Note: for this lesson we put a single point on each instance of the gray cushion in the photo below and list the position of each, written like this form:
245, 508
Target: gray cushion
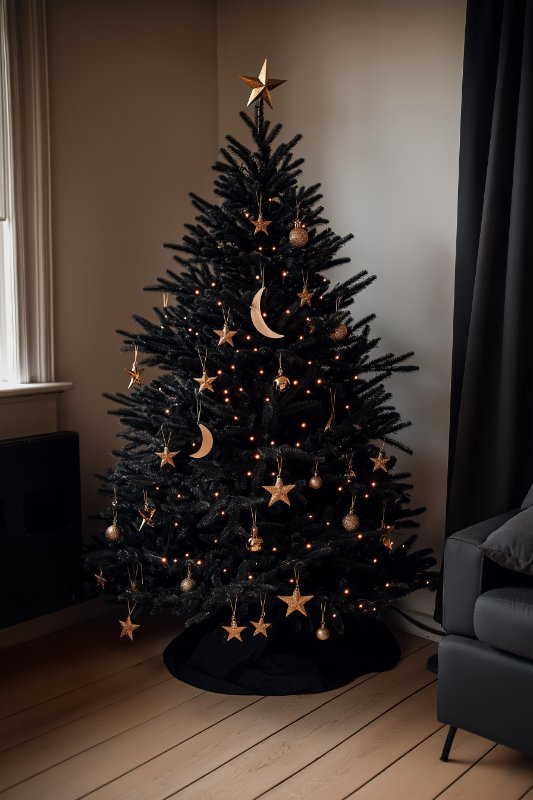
511, 545
527, 502
503, 618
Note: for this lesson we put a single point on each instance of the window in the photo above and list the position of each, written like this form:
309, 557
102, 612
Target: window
8, 323
26, 332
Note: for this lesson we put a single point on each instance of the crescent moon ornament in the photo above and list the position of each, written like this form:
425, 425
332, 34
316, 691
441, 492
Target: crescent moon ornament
257, 317
207, 442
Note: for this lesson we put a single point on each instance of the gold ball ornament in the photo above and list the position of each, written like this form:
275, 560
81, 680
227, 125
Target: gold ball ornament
350, 522
298, 236
315, 481
322, 633
187, 584
113, 533
281, 382
340, 333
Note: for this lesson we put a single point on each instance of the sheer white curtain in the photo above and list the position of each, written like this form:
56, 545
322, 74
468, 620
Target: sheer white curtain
26, 329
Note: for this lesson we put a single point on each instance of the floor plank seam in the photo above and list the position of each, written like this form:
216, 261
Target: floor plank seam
247, 749
466, 771
82, 716
525, 793
75, 689
103, 741
395, 761
338, 744
167, 750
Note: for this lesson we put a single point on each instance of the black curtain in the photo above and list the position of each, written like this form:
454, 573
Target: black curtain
490, 464
491, 425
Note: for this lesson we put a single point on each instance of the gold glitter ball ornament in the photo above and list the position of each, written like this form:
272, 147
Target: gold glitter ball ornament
315, 481
281, 382
113, 533
340, 333
322, 633
187, 584
350, 522
298, 236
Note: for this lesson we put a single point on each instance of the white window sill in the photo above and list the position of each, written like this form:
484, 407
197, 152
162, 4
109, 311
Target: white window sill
28, 389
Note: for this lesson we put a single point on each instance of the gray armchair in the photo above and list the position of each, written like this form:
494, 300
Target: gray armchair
486, 658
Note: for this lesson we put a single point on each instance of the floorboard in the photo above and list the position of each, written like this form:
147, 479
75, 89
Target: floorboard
86, 714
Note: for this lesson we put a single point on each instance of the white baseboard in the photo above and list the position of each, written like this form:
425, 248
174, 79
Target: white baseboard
49, 623
396, 620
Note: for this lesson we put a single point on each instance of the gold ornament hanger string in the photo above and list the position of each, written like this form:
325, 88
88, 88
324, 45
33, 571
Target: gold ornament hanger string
280, 464
331, 420
253, 512
352, 504
198, 409
297, 578
114, 504
203, 359
233, 604
259, 198
165, 299
262, 600
323, 604
382, 523
337, 305
131, 608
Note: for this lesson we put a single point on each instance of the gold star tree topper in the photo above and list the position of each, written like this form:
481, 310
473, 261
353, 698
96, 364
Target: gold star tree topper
262, 85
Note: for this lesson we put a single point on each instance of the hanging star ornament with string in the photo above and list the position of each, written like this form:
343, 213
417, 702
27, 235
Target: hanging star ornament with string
262, 85
134, 373
226, 336
100, 580
296, 601
305, 297
128, 627
280, 491
206, 383
167, 456
380, 462
261, 626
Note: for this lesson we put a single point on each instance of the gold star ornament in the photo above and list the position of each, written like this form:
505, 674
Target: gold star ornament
206, 383
135, 375
296, 601
128, 627
261, 626
380, 462
167, 457
234, 631
226, 336
305, 297
261, 224
100, 580
280, 491
262, 85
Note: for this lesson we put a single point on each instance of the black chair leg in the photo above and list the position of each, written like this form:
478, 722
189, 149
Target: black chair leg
448, 743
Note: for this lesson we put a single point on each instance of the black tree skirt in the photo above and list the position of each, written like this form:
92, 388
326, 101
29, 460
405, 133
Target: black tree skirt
287, 662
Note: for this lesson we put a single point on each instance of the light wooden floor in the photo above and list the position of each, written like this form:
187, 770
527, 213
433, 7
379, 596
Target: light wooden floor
86, 714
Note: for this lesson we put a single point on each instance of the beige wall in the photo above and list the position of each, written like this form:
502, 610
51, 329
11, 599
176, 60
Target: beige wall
133, 130
375, 87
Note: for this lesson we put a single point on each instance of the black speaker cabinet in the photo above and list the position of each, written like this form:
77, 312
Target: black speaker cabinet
40, 526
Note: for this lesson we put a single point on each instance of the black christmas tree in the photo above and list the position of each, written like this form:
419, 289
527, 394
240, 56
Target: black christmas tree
257, 487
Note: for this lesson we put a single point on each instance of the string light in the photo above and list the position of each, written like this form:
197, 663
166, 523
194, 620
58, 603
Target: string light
164, 560
274, 549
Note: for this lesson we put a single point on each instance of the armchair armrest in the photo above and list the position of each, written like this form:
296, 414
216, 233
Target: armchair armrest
468, 573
